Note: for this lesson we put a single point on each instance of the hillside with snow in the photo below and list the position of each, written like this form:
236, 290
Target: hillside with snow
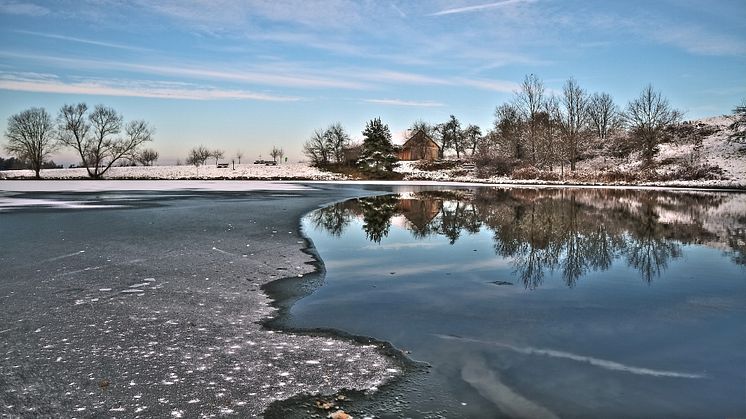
717, 161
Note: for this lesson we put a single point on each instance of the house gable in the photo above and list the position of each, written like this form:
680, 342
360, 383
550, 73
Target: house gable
418, 147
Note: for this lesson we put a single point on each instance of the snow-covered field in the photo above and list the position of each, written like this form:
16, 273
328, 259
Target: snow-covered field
243, 171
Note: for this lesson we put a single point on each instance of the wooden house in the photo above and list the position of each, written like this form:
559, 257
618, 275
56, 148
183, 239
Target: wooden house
419, 147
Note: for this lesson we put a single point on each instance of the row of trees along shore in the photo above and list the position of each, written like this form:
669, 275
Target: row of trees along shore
199, 155
536, 128
100, 137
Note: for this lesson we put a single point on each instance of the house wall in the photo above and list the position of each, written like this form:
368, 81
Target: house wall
419, 153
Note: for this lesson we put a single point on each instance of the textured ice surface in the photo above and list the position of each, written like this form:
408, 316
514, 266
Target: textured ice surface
177, 344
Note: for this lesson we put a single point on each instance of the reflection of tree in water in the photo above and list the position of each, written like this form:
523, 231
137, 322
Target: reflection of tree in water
736, 238
647, 250
334, 219
569, 231
377, 212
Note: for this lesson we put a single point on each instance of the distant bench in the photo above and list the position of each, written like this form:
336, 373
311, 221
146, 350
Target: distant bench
222, 165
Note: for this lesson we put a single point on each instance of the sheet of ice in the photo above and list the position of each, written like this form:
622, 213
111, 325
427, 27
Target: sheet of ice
144, 185
9, 202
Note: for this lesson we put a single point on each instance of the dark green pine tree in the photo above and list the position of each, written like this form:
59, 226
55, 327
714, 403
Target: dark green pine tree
378, 154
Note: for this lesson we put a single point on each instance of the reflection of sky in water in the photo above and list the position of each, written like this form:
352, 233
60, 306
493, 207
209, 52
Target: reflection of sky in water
653, 328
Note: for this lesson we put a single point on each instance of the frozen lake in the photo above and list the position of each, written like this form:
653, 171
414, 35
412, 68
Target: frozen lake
542, 302
143, 299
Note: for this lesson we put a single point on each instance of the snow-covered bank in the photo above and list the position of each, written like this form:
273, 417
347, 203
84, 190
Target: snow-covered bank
241, 171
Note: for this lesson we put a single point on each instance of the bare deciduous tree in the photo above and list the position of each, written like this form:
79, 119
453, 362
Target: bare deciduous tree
508, 128
603, 113
451, 136
217, 154
316, 148
198, 155
239, 156
31, 137
549, 129
647, 117
529, 100
337, 141
472, 136
429, 129
147, 157
276, 153
574, 119
96, 137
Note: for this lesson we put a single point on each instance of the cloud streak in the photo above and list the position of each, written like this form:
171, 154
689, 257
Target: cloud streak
249, 76
401, 102
477, 8
82, 40
145, 89
24, 9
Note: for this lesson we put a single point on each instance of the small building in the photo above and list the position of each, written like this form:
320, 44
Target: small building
419, 147
352, 153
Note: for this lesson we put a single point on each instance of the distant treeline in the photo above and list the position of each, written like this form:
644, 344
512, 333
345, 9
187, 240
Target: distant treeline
13, 163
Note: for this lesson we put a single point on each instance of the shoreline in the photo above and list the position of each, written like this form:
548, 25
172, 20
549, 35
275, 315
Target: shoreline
284, 293
353, 182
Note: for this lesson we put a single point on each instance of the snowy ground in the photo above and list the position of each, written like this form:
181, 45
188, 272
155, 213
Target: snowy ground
209, 171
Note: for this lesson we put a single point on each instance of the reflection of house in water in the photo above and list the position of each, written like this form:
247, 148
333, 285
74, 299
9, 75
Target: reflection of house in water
419, 147
419, 212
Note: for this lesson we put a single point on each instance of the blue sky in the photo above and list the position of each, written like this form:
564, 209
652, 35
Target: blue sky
252, 74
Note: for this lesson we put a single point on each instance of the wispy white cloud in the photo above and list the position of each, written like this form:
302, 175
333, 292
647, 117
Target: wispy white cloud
21, 8
401, 77
687, 36
502, 86
280, 74
697, 41
30, 82
477, 7
307, 40
400, 102
186, 70
328, 13
83, 41
398, 10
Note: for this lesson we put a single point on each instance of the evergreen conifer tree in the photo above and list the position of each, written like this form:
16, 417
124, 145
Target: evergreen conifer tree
378, 152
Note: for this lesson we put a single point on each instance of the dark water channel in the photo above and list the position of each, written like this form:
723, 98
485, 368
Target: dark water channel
544, 302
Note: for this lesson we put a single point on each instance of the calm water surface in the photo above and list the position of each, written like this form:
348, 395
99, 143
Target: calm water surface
545, 302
